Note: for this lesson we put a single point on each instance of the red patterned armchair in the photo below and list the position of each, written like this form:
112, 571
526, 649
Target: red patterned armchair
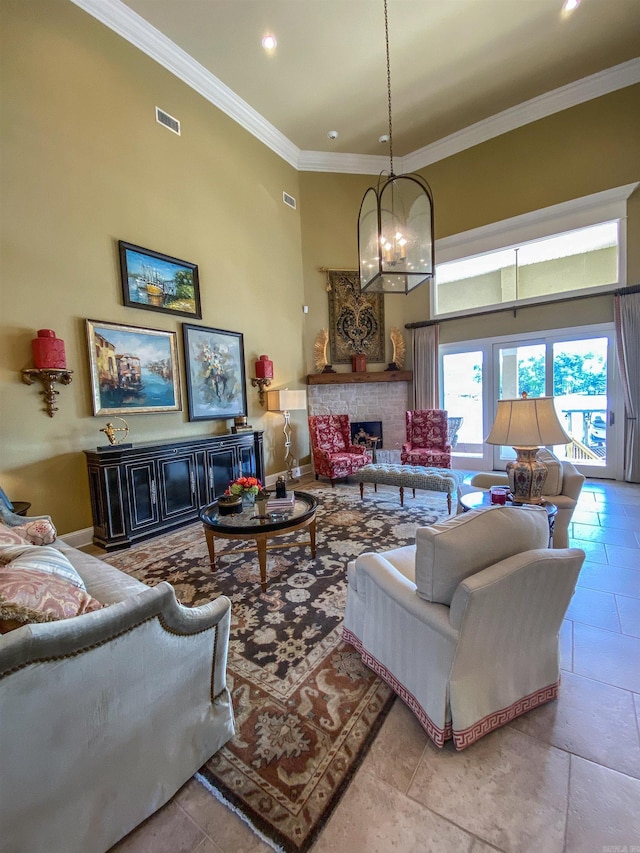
427, 439
333, 454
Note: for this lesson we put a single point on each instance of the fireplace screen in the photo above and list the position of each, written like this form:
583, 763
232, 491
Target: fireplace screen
368, 433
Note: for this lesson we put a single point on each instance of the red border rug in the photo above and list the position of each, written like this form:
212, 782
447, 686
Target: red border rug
306, 707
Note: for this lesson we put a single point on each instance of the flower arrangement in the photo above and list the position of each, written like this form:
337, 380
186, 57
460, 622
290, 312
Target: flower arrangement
244, 486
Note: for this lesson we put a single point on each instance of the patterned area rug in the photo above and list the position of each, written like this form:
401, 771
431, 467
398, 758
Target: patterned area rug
306, 708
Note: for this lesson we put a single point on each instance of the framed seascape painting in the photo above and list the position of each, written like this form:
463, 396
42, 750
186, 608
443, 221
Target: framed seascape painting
214, 362
158, 282
133, 370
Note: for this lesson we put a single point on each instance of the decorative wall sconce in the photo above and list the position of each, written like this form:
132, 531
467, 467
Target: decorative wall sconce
48, 377
50, 367
284, 401
263, 377
260, 384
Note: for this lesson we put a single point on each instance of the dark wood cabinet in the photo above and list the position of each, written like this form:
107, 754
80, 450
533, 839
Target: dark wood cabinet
140, 491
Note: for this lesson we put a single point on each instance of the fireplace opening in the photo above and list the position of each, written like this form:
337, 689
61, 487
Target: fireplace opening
368, 433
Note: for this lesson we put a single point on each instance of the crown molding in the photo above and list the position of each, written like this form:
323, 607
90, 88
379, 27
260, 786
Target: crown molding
353, 164
594, 86
138, 32
128, 24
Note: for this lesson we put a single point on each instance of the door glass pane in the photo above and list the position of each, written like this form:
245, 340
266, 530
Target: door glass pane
520, 368
462, 398
580, 396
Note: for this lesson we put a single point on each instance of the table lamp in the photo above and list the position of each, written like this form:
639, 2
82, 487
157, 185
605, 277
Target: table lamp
285, 401
526, 424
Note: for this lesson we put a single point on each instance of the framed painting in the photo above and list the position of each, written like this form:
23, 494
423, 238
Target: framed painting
157, 282
133, 370
216, 386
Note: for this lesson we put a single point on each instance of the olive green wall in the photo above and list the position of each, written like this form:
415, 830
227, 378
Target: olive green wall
583, 150
84, 163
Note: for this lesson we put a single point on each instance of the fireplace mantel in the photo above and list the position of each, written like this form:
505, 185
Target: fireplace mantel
350, 378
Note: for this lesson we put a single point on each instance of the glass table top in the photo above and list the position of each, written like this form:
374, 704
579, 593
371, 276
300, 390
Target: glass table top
249, 520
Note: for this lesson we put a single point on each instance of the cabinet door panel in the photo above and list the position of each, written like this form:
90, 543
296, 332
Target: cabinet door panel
223, 467
144, 495
178, 481
247, 461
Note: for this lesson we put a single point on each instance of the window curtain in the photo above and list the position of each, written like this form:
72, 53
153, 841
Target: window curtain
627, 319
425, 367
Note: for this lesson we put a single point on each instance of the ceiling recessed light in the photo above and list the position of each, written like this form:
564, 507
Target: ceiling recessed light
569, 6
269, 42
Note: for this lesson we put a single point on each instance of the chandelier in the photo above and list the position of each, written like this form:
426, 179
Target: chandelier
395, 224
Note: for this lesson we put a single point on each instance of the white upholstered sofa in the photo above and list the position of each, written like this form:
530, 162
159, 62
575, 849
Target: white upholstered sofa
103, 716
464, 624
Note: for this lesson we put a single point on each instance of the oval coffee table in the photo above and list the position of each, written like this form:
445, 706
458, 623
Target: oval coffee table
249, 525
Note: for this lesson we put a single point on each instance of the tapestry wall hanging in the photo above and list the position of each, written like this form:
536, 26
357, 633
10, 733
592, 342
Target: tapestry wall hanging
356, 319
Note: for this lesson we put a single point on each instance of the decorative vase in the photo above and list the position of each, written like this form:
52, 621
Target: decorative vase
264, 368
358, 363
261, 506
48, 351
248, 500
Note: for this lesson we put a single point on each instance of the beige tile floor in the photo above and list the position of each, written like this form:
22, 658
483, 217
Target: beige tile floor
565, 777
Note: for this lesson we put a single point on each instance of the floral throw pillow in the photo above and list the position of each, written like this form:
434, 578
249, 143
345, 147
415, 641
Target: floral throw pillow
32, 596
10, 536
39, 531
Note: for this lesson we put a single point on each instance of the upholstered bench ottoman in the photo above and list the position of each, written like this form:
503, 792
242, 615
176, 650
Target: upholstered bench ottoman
411, 477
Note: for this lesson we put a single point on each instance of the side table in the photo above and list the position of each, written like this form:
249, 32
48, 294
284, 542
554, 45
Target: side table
482, 499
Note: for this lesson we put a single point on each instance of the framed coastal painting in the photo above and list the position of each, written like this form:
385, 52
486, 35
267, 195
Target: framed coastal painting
133, 369
214, 361
157, 282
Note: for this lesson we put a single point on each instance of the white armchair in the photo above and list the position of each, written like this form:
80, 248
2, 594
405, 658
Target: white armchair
562, 488
464, 624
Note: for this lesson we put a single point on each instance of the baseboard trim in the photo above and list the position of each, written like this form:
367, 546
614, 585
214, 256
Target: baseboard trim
78, 538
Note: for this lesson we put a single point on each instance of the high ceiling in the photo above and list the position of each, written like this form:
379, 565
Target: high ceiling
453, 62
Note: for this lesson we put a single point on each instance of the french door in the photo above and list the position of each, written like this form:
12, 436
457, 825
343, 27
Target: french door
578, 370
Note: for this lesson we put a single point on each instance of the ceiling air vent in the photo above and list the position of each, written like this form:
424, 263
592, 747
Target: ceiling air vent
167, 120
289, 199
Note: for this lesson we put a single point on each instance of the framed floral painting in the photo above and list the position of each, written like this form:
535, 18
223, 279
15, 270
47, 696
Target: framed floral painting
216, 385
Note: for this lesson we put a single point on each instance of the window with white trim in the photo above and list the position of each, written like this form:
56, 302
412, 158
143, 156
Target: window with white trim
538, 257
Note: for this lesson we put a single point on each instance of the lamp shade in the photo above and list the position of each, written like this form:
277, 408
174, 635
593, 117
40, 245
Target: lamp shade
527, 422
286, 401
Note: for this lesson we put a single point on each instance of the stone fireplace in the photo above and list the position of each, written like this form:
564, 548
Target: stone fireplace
382, 396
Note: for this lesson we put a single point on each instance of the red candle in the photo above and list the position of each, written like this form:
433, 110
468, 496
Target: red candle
48, 351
